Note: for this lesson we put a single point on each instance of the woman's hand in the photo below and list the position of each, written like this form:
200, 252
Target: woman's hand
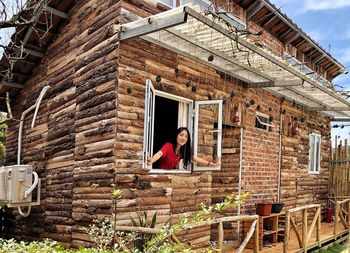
216, 162
154, 158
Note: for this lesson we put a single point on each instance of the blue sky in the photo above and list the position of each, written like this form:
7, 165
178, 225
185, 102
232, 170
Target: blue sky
328, 23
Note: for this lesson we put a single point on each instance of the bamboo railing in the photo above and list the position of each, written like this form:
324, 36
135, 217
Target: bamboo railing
342, 211
306, 233
254, 230
339, 177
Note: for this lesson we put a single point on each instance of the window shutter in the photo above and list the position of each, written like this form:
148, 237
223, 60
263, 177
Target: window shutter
148, 124
207, 132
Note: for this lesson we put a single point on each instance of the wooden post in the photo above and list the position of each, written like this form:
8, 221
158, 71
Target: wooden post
221, 235
286, 232
345, 167
348, 216
318, 232
256, 237
336, 214
304, 233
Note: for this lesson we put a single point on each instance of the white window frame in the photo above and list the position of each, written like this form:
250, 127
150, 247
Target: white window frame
197, 104
172, 6
268, 125
148, 123
316, 158
150, 94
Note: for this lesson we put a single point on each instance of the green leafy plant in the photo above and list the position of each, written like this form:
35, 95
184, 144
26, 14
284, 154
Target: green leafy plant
159, 243
141, 242
101, 232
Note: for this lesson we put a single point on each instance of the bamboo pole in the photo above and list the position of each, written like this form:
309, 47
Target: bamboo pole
286, 232
304, 233
313, 223
221, 235
342, 219
249, 235
318, 232
349, 217
336, 219
346, 166
300, 241
256, 238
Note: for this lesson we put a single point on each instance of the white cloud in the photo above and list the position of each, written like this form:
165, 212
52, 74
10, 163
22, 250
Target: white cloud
325, 4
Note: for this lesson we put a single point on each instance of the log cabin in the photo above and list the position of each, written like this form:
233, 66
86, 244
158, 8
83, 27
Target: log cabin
252, 87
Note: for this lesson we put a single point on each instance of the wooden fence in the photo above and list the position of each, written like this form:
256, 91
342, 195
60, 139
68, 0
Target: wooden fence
306, 232
253, 231
342, 211
339, 183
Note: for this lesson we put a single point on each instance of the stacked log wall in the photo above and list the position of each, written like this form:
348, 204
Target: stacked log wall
298, 187
72, 144
90, 130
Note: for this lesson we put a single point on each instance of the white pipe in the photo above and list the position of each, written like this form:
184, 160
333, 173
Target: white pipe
26, 214
36, 105
36, 180
240, 178
279, 162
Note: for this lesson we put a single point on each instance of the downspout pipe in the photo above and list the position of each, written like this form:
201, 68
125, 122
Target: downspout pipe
20, 130
240, 177
280, 159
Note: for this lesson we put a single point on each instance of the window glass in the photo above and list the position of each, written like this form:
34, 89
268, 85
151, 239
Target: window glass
314, 153
207, 131
171, 3
262, 121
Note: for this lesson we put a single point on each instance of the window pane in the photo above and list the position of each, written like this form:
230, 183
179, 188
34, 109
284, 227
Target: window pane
312, 153
317, 153
207, 131
171, 3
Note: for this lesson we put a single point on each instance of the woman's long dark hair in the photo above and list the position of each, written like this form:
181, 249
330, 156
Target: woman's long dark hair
185, 150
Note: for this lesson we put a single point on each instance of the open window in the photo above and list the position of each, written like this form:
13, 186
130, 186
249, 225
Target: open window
165, 113
207, 131
315, 153
262, 121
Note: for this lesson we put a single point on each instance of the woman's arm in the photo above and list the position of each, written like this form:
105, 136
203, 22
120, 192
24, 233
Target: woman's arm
154, 158
215, 163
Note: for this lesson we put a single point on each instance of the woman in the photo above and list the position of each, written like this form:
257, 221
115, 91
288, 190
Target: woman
171, 153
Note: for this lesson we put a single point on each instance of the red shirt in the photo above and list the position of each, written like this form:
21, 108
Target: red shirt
169, 159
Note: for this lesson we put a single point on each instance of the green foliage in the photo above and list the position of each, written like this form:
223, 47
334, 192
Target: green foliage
46, 246
103, 234
142, 241
159, 243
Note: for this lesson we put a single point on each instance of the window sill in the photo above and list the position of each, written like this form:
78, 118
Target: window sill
207, 168
314, 173
161, 171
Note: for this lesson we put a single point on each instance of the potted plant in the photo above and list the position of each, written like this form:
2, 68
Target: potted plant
263, 209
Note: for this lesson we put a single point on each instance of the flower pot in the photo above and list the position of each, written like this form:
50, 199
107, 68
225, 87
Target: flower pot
263, 209
277, 207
